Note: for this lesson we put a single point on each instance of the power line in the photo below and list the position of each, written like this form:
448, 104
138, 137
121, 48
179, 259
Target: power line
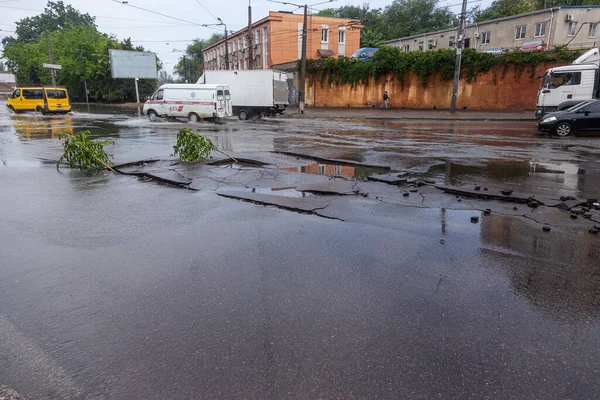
156, 12
207, 10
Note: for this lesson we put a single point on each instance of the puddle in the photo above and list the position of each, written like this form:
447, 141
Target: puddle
337, 170
286, 191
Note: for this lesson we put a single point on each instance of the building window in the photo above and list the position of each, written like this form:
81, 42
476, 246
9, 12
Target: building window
485, 37
430, 44
572, 29
452, 41
324, 35
421, 45
322, 169
257, 38
406, 48
540, 29
342, 37
592, 32
521, 32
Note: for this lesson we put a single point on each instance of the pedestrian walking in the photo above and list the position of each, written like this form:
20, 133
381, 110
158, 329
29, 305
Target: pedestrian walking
386, 98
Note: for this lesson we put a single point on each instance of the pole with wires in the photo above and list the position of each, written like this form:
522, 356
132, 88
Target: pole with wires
459, 49
302, 93
250, 56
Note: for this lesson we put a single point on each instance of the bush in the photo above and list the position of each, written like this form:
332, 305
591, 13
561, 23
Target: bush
425, 64
83, 153
191, 146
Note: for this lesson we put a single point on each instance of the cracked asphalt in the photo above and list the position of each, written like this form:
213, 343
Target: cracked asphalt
292, 275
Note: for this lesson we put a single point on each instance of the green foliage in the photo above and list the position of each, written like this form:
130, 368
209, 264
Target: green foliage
83, 153
426, 64
83, 53
191, 146
55, 16
369, 37
191, 65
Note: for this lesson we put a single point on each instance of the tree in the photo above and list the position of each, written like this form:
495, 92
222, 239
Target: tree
55, 16
505, 8
83, 53
328, 12
191, 65
164, 77
369, 37
410, 17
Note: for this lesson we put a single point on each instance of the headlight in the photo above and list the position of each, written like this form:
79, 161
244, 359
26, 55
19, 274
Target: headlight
549, 119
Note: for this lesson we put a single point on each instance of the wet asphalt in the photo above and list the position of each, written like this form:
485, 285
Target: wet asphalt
115, 287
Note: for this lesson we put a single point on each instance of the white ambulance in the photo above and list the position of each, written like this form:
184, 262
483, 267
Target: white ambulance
194, 102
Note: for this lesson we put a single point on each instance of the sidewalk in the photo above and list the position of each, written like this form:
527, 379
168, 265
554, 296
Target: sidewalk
412, 114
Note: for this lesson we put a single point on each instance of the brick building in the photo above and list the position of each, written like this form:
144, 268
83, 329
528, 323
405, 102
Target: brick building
277, 39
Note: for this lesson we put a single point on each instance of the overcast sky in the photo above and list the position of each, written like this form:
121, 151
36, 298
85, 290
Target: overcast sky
161, 34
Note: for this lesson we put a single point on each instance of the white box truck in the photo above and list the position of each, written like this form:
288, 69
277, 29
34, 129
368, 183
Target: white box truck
564, 87
254, 92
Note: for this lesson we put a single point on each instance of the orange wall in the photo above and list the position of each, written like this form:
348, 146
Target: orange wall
510, 92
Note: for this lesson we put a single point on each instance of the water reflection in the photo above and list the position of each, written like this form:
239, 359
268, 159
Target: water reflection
30, 128
563, 280
336, 170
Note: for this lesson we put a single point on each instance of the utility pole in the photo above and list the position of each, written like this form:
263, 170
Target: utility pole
250, 41
301, 94
52, 75
459, 49
226, 50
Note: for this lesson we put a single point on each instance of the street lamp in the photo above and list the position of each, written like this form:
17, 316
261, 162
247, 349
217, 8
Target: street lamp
185, 64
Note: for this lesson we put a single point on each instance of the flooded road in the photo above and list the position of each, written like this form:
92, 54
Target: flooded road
119, 287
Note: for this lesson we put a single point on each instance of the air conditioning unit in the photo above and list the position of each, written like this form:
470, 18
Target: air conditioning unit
569, 17
476, 34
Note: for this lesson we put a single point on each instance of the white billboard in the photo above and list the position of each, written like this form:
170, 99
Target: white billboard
132, 64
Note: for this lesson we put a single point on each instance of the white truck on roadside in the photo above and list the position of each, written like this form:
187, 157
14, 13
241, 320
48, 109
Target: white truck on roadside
254, 92
564, 87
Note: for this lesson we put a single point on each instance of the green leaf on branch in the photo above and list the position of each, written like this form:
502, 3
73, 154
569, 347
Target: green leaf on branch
83, 153
191, 146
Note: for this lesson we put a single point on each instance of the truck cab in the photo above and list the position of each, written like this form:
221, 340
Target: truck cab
564, 87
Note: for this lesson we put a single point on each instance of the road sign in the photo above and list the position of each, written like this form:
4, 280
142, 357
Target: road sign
53, 66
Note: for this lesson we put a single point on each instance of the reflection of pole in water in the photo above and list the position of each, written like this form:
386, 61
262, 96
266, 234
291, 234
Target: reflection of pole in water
448, 163
86, 96
444, 221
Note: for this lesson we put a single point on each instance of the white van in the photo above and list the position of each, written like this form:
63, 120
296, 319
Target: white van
194, 102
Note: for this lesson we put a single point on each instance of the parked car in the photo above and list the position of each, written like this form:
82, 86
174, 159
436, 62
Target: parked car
533, 45
365, 54
584, 117
495, 50
41, 99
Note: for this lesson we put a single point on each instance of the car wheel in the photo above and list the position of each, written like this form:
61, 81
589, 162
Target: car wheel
193, 117
40, 110
563, 129
243, 115
152, 115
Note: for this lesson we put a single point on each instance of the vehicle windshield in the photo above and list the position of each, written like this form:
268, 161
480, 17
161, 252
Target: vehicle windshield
580, 106
357, 53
